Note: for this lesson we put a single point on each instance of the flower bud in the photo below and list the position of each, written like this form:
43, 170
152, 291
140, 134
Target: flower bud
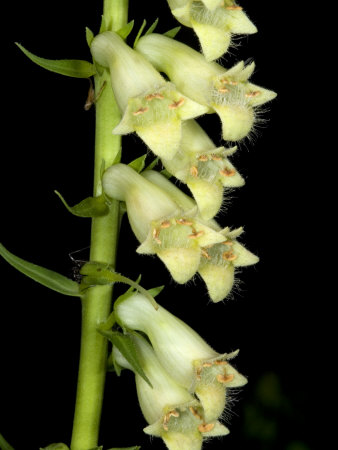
213, 22
226, 92
150, 106
204, 168
160, 222
171, 412
185, 356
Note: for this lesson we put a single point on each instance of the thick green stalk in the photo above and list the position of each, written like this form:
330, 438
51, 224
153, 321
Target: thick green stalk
96, 304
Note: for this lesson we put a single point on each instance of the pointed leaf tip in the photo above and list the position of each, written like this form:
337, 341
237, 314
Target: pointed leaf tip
89, 207
74, 68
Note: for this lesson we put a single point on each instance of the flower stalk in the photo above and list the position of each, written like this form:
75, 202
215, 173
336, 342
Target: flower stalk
96, 303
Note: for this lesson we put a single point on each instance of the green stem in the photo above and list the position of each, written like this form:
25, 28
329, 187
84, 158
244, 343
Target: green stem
96, 304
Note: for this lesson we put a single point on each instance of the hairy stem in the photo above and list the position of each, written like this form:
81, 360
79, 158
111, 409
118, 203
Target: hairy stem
96, 304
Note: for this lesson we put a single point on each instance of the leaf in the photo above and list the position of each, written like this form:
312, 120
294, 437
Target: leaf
125, 345
104, 24
96, 273
138, 163
70, 67
156, 290
89, 207
151, 28
46, 277
125, 31
172, 33
144, 23
89, 36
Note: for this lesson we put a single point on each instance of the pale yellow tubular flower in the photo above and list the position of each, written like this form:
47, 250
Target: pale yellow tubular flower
226, 92
204, 167
150, 106
219, 260
214, 22
166, 406
184, 355
163, 226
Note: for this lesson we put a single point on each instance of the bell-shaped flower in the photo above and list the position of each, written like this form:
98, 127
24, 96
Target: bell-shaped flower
184, 355
214, 22
162, 225
150, 106
170, 410
226, 92
218, 261
205, 168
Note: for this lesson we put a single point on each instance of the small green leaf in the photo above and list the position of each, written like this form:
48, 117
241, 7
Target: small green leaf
89, 36
100, 274
46, 277
125, 31
125, 345
89, 207
144, 23
156, 290
70, 67
151, 28
172, 33
138, 280
138, 163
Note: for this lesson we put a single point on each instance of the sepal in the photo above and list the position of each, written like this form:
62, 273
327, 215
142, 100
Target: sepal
125, 345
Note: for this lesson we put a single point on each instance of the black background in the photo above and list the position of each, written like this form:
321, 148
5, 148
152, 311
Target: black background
47, 144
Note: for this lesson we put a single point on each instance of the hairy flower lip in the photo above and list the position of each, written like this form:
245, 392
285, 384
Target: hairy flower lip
205, 169
214, 22
150, 106
226, 92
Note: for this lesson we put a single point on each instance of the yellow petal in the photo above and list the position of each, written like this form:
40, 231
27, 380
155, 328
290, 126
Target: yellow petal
219, 280
214, 41
182, 263
163, 138
237, 120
